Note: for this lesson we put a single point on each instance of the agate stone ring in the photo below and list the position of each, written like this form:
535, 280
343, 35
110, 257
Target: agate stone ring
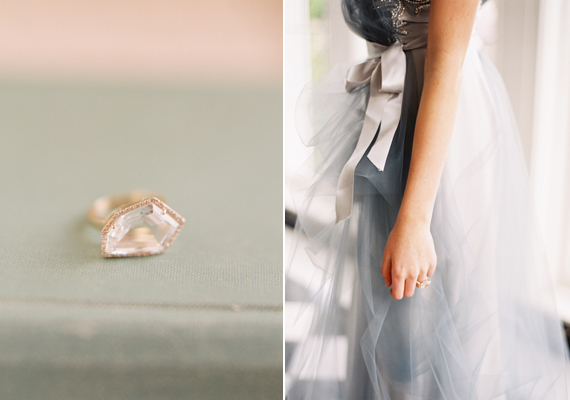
423, 284
137, 223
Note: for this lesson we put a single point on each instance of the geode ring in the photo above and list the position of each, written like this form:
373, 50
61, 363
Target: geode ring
134, 224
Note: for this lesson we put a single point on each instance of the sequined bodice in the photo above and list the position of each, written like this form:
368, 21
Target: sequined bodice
391, 12
384, 21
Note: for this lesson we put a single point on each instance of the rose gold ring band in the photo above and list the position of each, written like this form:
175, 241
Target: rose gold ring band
423, 284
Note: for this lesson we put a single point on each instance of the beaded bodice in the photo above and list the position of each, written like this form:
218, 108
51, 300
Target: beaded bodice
391, 12
383, 21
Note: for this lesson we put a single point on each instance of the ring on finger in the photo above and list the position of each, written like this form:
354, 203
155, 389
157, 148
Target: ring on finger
423, 284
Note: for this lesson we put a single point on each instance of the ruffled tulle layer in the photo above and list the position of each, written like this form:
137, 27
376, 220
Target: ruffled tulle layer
486, 328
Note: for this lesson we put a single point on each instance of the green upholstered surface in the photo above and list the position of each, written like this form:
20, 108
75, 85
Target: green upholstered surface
200, 321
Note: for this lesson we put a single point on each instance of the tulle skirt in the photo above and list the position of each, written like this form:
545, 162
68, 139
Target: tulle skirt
486, 327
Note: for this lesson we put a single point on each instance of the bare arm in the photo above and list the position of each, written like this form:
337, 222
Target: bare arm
410, 254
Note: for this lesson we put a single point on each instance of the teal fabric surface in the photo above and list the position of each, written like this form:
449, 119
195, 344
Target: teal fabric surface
206, 311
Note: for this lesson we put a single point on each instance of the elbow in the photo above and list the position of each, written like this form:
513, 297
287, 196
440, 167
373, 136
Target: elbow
444, 69
444, 62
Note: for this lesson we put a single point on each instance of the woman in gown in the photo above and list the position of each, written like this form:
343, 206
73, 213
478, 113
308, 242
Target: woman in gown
420, 174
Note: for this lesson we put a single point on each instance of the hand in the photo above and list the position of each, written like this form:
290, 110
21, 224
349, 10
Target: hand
409, 257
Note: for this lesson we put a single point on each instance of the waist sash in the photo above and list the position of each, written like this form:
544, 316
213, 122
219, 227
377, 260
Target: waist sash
385, 71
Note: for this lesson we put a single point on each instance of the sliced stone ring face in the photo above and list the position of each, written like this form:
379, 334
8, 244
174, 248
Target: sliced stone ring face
142, 229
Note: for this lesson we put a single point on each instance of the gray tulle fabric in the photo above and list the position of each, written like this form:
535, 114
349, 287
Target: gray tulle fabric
487, 327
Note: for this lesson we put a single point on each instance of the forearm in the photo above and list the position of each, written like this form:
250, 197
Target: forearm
451, 22
434, 126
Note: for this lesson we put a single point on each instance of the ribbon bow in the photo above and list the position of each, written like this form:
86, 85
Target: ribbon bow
385, 70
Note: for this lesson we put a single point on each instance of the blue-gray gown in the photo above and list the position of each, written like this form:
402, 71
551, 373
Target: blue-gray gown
486, 327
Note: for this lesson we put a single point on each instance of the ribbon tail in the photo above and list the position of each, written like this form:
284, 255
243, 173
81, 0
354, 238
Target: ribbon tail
393, 78
345, 188
378, 154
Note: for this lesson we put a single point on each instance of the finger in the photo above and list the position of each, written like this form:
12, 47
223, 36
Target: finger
397, 286
431, 270
387, 269
422, 276
410, 287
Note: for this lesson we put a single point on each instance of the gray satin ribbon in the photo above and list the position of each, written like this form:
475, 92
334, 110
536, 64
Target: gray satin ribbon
385, 70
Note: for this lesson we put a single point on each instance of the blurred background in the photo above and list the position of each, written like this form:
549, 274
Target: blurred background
183, 98
142, 41
528, 41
